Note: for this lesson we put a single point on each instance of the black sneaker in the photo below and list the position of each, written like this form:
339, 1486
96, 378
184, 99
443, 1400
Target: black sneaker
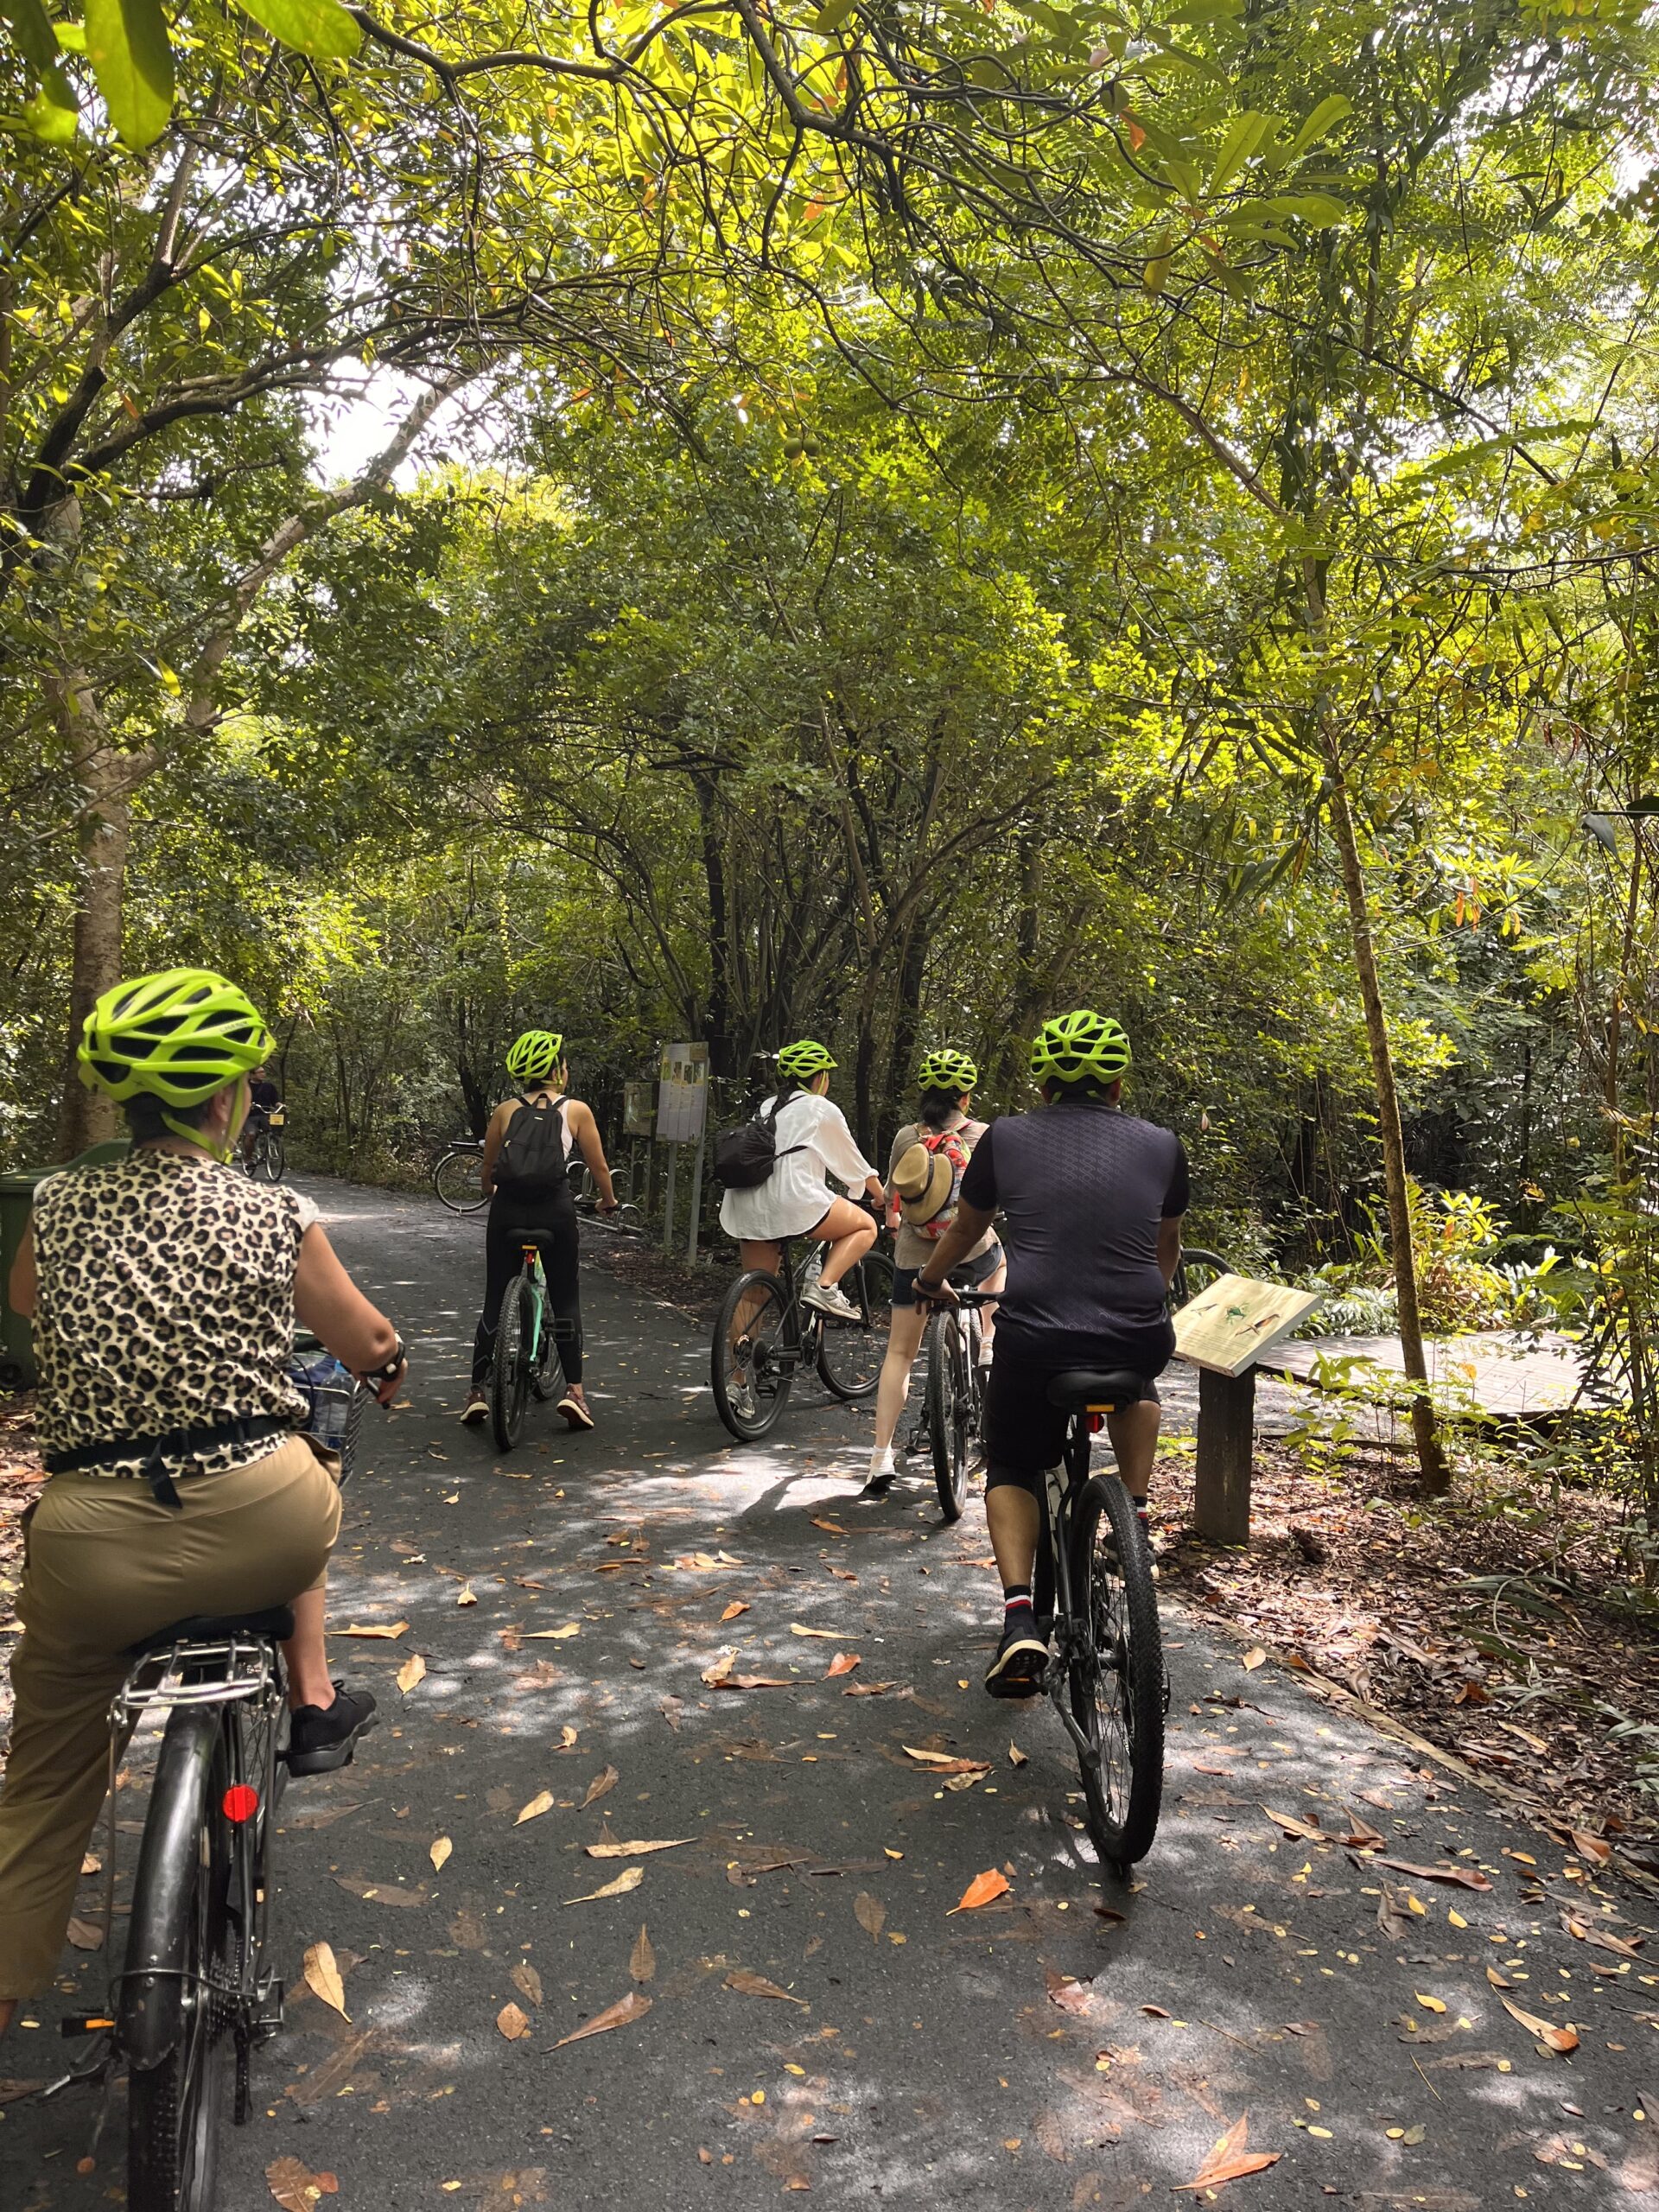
1021, 1658
322, 1737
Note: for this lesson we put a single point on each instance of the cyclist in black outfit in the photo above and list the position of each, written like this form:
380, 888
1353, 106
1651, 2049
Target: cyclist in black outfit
524, 1176
1092, 1200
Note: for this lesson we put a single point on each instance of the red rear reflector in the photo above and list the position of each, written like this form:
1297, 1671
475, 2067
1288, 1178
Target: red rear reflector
241, 1801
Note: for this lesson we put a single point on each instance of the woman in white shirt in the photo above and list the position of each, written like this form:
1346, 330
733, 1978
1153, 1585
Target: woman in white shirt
813, 1143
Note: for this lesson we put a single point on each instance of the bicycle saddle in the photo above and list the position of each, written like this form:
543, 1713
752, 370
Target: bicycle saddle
1094, 1389
274, 1621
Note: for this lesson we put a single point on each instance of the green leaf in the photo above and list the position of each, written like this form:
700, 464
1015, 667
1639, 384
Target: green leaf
1330, 111
126, 44
32, 29
320, 28
832, 16
44, 119
1318, 209
1248, 131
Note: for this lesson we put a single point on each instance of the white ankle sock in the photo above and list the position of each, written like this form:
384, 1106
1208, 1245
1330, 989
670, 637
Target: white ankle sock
881, 1462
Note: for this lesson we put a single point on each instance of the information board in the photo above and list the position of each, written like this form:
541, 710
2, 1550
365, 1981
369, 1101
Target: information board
1228, 1326
682, 1092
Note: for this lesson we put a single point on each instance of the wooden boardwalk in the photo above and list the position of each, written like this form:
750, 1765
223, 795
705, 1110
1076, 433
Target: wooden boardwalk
1510, 1378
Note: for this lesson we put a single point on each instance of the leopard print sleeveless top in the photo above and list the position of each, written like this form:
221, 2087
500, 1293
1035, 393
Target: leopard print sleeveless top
166, 1302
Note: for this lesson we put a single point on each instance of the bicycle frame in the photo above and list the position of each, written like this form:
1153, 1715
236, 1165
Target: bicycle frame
537, 1274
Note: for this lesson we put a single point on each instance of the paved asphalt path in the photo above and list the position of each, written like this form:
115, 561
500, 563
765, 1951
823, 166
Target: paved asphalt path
1079, 2042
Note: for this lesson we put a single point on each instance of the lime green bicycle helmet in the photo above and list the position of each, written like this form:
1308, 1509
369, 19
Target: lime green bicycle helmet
533, 1057
1075, 1047
804, 1059
947, 1071
178, 1036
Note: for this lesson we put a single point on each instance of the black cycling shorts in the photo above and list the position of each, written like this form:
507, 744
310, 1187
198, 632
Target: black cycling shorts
1024, 1434
967, 1276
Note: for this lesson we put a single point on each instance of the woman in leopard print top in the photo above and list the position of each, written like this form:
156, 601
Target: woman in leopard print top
164, 1289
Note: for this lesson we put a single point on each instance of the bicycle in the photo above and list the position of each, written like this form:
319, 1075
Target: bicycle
199, 1992
953, 1403
584, 1194
1195, 1271
1105, 1675
455, 1176
765, 1336
524, 1350
265, 1160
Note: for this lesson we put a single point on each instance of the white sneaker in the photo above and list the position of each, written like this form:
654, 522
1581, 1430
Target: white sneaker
881, 1466
742, 1394
828, 1298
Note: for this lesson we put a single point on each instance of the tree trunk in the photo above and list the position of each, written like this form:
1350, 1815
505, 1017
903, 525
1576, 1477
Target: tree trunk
105, 777
719, 1025
1431, 1456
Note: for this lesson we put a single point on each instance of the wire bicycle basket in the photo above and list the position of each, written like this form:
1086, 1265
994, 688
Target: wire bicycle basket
334, 1396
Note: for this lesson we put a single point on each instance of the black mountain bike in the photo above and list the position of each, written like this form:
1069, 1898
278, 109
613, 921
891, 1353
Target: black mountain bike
200, 1992
266, 1158
525, 1358
765, 1336
1106, 1674
455, 1176
953, 1403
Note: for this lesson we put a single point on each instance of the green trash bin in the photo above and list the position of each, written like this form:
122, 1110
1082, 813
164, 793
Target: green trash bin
16, 1199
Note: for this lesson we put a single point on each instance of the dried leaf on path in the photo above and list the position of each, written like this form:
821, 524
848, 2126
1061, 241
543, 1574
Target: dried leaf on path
379, 1892
1017, 1757
1639, 2172
633, 2007
732, 1610
553, 1635
629, 1878
1311, 1832
513, 2023
796, 1629
1463, 1878
1229, 2160
412, 1671
441, 1852
1252, 1659
715, 1676
1559, 2040
527, 1981
834, 1528
379, 1631
981, 1890
871, 1914
756, 1682
85, 1935
324, 1979
642, 1959
637, 1849
1592, 1848
842, 1663
942, 1762
1394, 1911
1065, 1991
867, 1689
601, 1786
540, 1804
748, 1984
464, 1596
566, 1738
1626, 1947
295, 2187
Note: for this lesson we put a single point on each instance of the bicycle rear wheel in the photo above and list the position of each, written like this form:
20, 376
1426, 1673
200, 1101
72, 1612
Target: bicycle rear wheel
948, 1411
271, 1161
547, 1377
455, 1180
509, 1376
850, 1353
752, 1361
1117, 1684
183, 1960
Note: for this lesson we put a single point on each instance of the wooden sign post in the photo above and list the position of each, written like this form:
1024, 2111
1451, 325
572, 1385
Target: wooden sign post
1223, 1332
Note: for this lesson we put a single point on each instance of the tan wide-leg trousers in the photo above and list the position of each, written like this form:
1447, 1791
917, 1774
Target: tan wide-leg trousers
104, 1565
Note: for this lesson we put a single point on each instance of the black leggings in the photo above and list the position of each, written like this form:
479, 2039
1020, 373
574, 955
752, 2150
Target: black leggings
547, 1220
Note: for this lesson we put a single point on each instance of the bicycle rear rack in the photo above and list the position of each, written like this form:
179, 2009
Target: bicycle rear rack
245, 1665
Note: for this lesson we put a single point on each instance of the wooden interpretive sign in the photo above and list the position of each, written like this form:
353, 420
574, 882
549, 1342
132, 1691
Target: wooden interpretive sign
1227, 1327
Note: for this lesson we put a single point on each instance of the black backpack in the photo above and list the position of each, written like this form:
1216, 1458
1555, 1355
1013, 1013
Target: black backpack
744, 1156
532, 1151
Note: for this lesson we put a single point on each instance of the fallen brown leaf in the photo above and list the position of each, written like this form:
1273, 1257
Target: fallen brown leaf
834, 1527
1065, 1991
629, 1878
828, 1634
1229, 2160
756, 1682
1592, 1848
1250, 1663
981, 1890
601, 1786
756, 1985
1626, 1947
636, 1850
942, 1762
295, 2187
540, 1804
85, 1935
633, 2007
642, 1959
527, 1981
464, 1596
439, 1853
324, 1979
867, 1689
1464, 1877
553, 1635
1291, 1826
842, 1663
513, 2023
871, 1914
732, 1610
412, 1671
379, 1892
1017, 1757
1561, 2040
566, 1738
379, 1632
715, 1676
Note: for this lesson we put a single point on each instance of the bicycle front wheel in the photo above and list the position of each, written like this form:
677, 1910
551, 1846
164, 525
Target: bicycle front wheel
850, 1353
1116, 1683
273, 1160
752, 1361
509, 1376
948, 1411
455, 1180
181, 1976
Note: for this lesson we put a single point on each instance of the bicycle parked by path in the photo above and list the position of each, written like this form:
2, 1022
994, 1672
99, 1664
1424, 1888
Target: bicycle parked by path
199, 1991
765, 1337
524, 1358
455, 1176
1105, 1676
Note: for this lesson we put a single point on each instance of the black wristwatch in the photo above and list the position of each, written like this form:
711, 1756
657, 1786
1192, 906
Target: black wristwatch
377, 1377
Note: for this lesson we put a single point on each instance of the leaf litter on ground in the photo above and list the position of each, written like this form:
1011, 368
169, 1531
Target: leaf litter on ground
633, 2007
324, 1979
1229, 2160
